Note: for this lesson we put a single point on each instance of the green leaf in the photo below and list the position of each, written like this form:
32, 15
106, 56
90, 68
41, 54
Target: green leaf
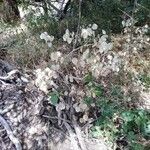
88, 78
116, 92
145, 79
98, 90
136, 146
131, 136
88, 100
128, 116
54, 97
96, 132
138, 120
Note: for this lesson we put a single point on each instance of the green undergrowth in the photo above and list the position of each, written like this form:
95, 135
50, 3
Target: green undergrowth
145, 79
123, 126
119, 121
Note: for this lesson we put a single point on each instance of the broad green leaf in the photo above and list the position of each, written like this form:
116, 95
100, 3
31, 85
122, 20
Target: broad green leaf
54, 97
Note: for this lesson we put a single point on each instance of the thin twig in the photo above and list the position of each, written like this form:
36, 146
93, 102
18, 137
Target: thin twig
51, 5
134, 8
3, 82
58, 118
143, 7
86, 45
61, 5
78, 28
88, 123
14, 140
146, 43
6, 110
78, 133
126, 14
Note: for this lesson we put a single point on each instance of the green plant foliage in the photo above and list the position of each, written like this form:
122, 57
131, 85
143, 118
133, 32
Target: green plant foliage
142, 13
88, 100
88, 78
116, 92
133, 124
54, 97
145, 79
104, 13
97, 89
107, 14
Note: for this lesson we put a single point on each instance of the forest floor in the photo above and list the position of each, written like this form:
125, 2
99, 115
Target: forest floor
91, 101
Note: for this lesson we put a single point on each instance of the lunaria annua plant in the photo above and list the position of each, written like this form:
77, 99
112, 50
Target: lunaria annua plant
48, 39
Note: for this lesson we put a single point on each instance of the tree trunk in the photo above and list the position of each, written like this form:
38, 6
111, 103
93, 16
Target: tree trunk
10, 11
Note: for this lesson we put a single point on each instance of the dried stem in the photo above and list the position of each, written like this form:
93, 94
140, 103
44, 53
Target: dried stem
14, 140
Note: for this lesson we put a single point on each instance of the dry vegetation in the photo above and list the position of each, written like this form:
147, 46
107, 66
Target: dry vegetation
93, 96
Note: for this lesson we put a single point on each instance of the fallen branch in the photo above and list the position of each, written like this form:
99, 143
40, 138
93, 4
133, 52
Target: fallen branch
14, 140
6, 110
146, 43
72, 137
10, 74
71, 134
